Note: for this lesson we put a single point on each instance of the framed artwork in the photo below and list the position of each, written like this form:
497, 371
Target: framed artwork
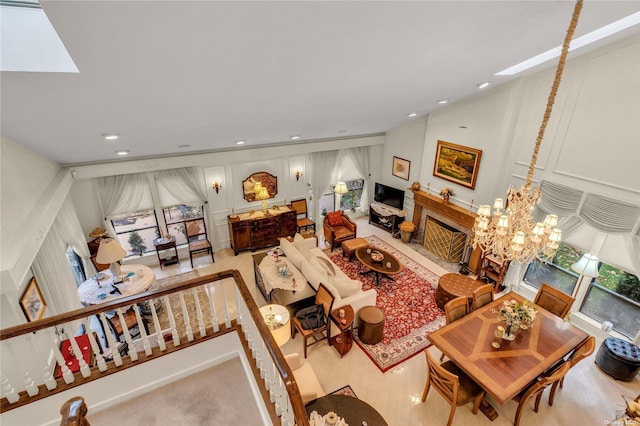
401, 168
32, 302
456, 163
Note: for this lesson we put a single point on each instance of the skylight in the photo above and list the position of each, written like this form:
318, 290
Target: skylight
593, 36
29, 42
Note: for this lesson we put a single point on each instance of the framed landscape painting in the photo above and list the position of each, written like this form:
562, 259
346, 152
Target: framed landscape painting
401, 168
456, 163
32, 302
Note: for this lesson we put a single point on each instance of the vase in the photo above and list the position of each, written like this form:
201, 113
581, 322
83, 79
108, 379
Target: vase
508, 334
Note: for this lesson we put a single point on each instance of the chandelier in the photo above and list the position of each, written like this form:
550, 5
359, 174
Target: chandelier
513, 234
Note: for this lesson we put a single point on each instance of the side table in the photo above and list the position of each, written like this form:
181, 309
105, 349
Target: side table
162, 244
455, 285
344, 340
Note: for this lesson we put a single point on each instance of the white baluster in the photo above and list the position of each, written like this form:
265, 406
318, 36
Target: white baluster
143, 333
85, 370
156, 325
127, 335
172, 322
211, 293
67, 375
185, 316
29, 385
47, 374
196, 300
95, 347
227, 316
8, 390
111, 342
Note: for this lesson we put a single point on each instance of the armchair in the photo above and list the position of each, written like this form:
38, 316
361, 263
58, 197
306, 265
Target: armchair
338, 228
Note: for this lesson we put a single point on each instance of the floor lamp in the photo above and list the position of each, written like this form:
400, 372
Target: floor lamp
340, 188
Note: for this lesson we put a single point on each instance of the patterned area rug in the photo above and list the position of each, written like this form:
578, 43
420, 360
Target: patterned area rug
346, 390
408, 303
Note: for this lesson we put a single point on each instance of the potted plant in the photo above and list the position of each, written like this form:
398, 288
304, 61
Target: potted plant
446, 193
406, 230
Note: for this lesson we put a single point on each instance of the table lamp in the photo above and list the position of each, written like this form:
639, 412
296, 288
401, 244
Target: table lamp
277, 319
111, 252
264, 194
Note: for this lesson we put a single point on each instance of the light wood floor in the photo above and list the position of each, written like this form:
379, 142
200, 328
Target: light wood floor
589, 397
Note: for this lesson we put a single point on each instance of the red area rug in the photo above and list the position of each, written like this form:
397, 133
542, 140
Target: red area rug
407, 301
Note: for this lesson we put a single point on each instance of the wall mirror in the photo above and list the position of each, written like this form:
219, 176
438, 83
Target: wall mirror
260, 186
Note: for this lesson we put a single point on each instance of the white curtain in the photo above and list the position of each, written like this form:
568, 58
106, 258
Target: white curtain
360, 158
185, 185
68, 226
121, 194
322, 166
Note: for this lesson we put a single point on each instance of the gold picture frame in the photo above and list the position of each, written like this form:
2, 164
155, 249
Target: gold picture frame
401, 168
456, 163
32, 302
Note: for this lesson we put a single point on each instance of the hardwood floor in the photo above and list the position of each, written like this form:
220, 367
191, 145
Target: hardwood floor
589, 397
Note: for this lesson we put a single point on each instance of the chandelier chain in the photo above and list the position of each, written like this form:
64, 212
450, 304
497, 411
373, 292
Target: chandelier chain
554, 90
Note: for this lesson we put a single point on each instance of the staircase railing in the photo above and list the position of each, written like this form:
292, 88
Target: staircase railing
181, 315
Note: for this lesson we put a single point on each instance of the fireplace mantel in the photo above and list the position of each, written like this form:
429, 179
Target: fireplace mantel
457, 214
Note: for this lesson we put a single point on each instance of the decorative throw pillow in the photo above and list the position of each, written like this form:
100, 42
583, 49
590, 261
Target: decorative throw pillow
346, 286
326, 265
334, 218
292, 253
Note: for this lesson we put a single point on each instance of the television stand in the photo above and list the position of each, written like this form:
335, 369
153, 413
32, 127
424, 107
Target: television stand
385, 217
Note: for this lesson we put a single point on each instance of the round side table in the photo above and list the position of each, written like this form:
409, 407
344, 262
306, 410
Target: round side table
451, 286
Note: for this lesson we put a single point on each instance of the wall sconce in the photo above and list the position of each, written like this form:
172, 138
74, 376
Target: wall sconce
299, 173
217, 185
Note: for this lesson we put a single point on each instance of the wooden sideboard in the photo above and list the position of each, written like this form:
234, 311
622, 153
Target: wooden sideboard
251, 231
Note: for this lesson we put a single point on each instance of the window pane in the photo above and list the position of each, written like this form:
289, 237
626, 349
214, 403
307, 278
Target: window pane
175, 217
602, 305
326, 203
137, 231
540, 272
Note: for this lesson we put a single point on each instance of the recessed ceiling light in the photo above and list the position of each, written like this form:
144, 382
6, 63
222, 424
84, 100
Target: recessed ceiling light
111, 136
123, 152
443, 101
593, 36
295, 137
240, 142
342, 131
482, 85
186, 145
412, 114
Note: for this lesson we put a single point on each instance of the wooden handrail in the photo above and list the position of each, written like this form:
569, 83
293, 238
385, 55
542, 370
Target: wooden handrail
272, 348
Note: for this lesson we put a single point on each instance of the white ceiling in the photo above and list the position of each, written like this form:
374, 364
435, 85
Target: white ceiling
208, 73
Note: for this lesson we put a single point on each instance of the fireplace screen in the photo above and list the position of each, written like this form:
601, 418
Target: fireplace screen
444, 241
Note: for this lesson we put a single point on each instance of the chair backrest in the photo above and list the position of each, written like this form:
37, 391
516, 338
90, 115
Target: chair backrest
553, 300
456, 309
482, 295
546, 381
583, 351
195, 228
300, 206
446, 383
324, 297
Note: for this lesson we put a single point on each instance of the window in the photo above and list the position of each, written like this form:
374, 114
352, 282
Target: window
76, 266
351, 199
614, 296
175, 217
136, 231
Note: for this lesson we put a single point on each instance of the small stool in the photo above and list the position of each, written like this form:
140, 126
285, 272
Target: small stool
618, 358
371, 325
349, 247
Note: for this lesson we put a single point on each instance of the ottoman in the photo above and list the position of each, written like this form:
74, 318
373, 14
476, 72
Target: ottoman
371, 325
618, 358
349, 247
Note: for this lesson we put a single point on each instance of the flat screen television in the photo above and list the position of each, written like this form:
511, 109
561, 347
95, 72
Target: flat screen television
390, 196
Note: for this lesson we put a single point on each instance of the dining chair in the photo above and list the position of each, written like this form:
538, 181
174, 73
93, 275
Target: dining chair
453, 384
324, 298
197, 237
553, 300
130, 322
482, 296
581, 352
303, 223
537, 388
454, 310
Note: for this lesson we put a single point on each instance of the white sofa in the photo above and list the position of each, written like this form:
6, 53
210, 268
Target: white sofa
306, 379
317, 268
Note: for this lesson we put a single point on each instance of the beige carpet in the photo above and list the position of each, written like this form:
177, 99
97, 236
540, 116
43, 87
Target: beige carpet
220, 395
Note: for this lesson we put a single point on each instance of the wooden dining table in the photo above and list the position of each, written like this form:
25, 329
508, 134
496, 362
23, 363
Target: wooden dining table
505, 371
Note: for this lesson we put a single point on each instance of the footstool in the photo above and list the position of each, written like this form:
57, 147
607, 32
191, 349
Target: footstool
618, 358
349, 247
371, 325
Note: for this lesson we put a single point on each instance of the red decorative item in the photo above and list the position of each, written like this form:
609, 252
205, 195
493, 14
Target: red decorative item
69, 357
334, 218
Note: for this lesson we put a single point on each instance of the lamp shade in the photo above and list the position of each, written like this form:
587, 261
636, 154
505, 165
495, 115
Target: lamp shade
110, 251
257, 187
340, 188
264, 194
587, 265
277, 319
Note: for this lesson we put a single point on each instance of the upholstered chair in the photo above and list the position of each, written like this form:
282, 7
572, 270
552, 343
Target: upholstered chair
338, 228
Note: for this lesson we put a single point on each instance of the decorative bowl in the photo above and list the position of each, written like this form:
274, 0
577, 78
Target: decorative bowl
376, 256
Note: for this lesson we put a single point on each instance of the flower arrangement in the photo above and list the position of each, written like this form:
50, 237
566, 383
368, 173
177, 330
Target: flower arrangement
447, 192
516, 316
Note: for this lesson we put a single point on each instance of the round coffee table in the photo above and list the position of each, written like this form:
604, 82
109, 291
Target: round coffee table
451, 286
388, 266
354, 411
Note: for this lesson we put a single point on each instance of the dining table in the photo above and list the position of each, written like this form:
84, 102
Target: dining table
501, 367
